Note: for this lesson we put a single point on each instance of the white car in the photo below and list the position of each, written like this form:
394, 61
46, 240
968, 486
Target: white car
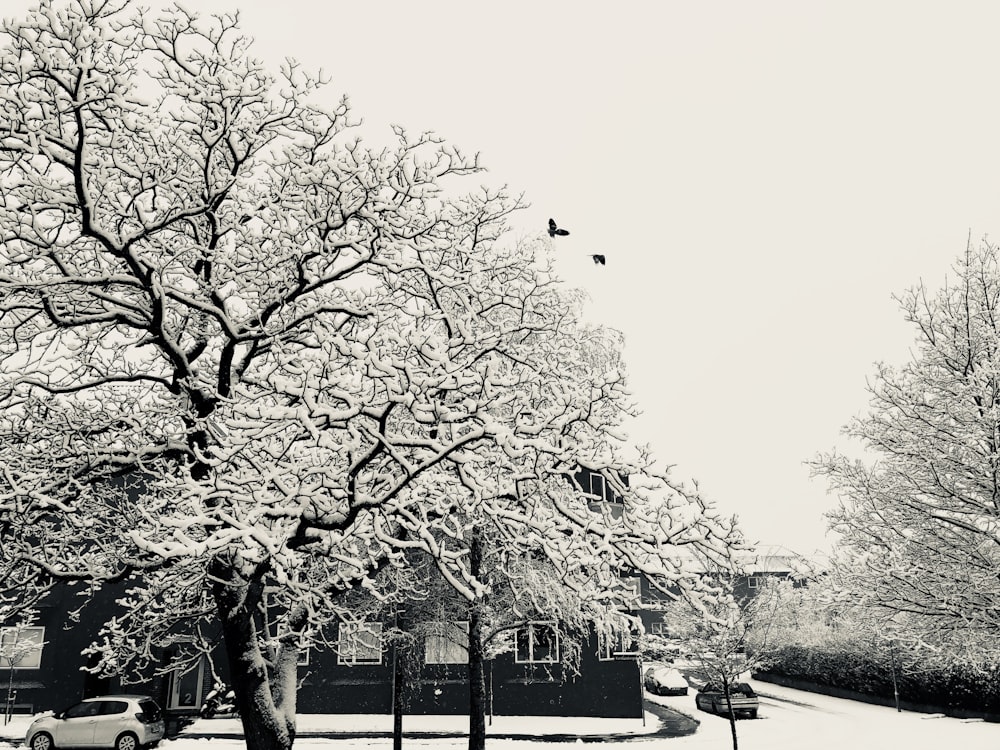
122, 722
662, 680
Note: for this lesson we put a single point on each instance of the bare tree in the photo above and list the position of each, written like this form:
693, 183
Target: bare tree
920, 522
248, 364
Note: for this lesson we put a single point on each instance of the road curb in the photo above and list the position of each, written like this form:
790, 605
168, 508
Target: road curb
673, 723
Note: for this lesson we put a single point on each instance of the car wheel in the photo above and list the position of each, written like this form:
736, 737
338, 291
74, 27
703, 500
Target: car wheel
127, 741
42, 741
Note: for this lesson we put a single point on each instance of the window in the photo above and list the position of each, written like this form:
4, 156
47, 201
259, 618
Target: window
753, 582
360, 643
150, 710
447, 643
83, 710
597, 485
632, 586
621, 643
658, 628
109, 708
274, 612
21, 647
537, 643
655, 600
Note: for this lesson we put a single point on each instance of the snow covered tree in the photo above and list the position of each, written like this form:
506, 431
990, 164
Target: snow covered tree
726, 637
920, 524
248, 364
18, 644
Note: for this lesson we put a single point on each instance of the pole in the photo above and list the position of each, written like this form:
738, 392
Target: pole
895, 683
10, 690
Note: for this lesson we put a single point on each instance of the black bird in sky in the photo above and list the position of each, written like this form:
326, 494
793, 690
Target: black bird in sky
599, 259
554, 230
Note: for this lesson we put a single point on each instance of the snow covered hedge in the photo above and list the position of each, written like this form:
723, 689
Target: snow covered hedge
955, 689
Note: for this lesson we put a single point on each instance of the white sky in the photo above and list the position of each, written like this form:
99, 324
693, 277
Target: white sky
762, 177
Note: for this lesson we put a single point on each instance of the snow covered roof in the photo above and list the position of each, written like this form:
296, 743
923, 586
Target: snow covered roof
777, 561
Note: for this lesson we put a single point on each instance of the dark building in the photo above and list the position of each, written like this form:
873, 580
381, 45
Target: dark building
356, 676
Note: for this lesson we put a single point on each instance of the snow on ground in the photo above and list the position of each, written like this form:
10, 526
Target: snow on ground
352, 723
792, 719
788, 720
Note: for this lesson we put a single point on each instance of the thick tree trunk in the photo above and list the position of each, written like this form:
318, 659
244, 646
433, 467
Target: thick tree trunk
477, 683
477, 661
267, 724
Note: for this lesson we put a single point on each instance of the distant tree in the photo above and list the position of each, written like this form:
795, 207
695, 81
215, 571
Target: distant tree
919, 522
827, 634
248, 365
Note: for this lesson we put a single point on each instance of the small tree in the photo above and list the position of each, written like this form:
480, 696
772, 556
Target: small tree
15, 646
724, 637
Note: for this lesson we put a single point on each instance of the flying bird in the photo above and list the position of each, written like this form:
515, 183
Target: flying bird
599, 259
554, 230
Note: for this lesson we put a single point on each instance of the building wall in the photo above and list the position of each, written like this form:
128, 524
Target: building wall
59, 681
609, 688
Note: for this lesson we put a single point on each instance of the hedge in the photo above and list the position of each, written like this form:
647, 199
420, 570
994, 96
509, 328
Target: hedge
955, 687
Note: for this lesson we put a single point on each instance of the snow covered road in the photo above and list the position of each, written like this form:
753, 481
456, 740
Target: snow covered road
794, 720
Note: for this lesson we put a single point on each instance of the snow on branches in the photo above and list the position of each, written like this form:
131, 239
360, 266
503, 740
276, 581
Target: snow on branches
310, 360
921, 523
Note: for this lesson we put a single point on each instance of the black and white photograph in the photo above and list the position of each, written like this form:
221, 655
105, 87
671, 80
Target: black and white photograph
503, 376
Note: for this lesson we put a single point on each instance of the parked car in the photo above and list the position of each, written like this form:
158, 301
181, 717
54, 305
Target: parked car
661, 680
712, 698
122, 722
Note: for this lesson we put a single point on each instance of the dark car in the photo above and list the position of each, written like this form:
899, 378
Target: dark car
712, 698
661, 680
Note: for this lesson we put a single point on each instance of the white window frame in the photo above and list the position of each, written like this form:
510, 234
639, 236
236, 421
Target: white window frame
599, 480
553, 658
461, 625
634, 583
347, 637
302, 660
753, 582
658, 628
606, 652
31, 659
